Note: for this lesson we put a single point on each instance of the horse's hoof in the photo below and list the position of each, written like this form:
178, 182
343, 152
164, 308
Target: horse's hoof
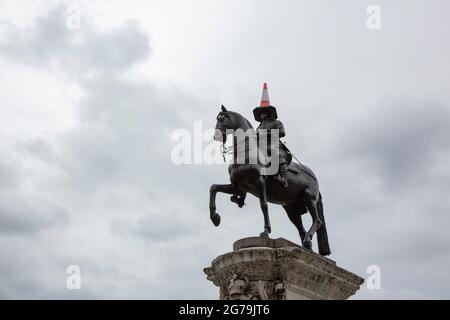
237, 200
215, 218
307, 244
264, 234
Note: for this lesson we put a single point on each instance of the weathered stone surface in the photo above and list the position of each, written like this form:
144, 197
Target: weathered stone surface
255, 242
264, 268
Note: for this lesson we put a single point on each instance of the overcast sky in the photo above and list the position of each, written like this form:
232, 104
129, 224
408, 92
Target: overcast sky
86, 176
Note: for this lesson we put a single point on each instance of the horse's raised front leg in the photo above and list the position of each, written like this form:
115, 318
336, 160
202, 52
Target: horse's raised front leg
225, 188
264, 207
312, 208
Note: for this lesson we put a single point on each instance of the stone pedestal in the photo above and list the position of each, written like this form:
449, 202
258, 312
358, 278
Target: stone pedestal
277, 269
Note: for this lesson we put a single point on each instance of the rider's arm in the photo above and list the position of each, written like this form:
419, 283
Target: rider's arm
280, 128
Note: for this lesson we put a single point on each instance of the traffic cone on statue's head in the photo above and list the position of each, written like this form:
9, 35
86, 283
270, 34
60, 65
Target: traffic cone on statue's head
265, 106
265, 100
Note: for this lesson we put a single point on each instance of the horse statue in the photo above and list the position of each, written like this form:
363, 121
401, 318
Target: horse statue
301, 195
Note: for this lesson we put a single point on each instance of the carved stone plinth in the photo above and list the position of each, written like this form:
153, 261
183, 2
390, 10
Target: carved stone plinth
277, 269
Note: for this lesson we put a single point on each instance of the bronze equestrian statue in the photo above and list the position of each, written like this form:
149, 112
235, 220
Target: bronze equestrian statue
296, 188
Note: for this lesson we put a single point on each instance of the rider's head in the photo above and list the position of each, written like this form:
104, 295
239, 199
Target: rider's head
267, 115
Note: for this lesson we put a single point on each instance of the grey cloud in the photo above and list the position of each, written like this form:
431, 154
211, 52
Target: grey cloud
18, 216
38, 148
401, 139
164, 227
49, 40
111, 169
8, 176
116, 113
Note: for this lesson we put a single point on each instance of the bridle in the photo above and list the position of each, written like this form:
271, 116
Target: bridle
228, 150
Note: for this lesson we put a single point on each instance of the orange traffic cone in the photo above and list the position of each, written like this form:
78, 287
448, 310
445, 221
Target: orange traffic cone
265, 100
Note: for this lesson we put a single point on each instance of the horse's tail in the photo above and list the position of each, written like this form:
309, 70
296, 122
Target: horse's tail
322, 236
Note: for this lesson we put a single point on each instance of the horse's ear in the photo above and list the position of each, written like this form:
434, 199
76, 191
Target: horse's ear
224, 109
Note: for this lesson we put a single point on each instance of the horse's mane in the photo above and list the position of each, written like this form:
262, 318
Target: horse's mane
241, 120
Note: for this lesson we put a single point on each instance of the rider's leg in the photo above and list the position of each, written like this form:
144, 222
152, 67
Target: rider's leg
282, 171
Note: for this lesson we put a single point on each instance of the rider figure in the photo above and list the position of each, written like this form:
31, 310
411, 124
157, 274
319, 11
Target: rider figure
266, 114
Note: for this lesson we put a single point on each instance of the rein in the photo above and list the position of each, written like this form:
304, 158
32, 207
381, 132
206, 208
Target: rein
224, 150
228, 150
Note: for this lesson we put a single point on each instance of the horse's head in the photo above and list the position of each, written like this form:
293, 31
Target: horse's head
225, 121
